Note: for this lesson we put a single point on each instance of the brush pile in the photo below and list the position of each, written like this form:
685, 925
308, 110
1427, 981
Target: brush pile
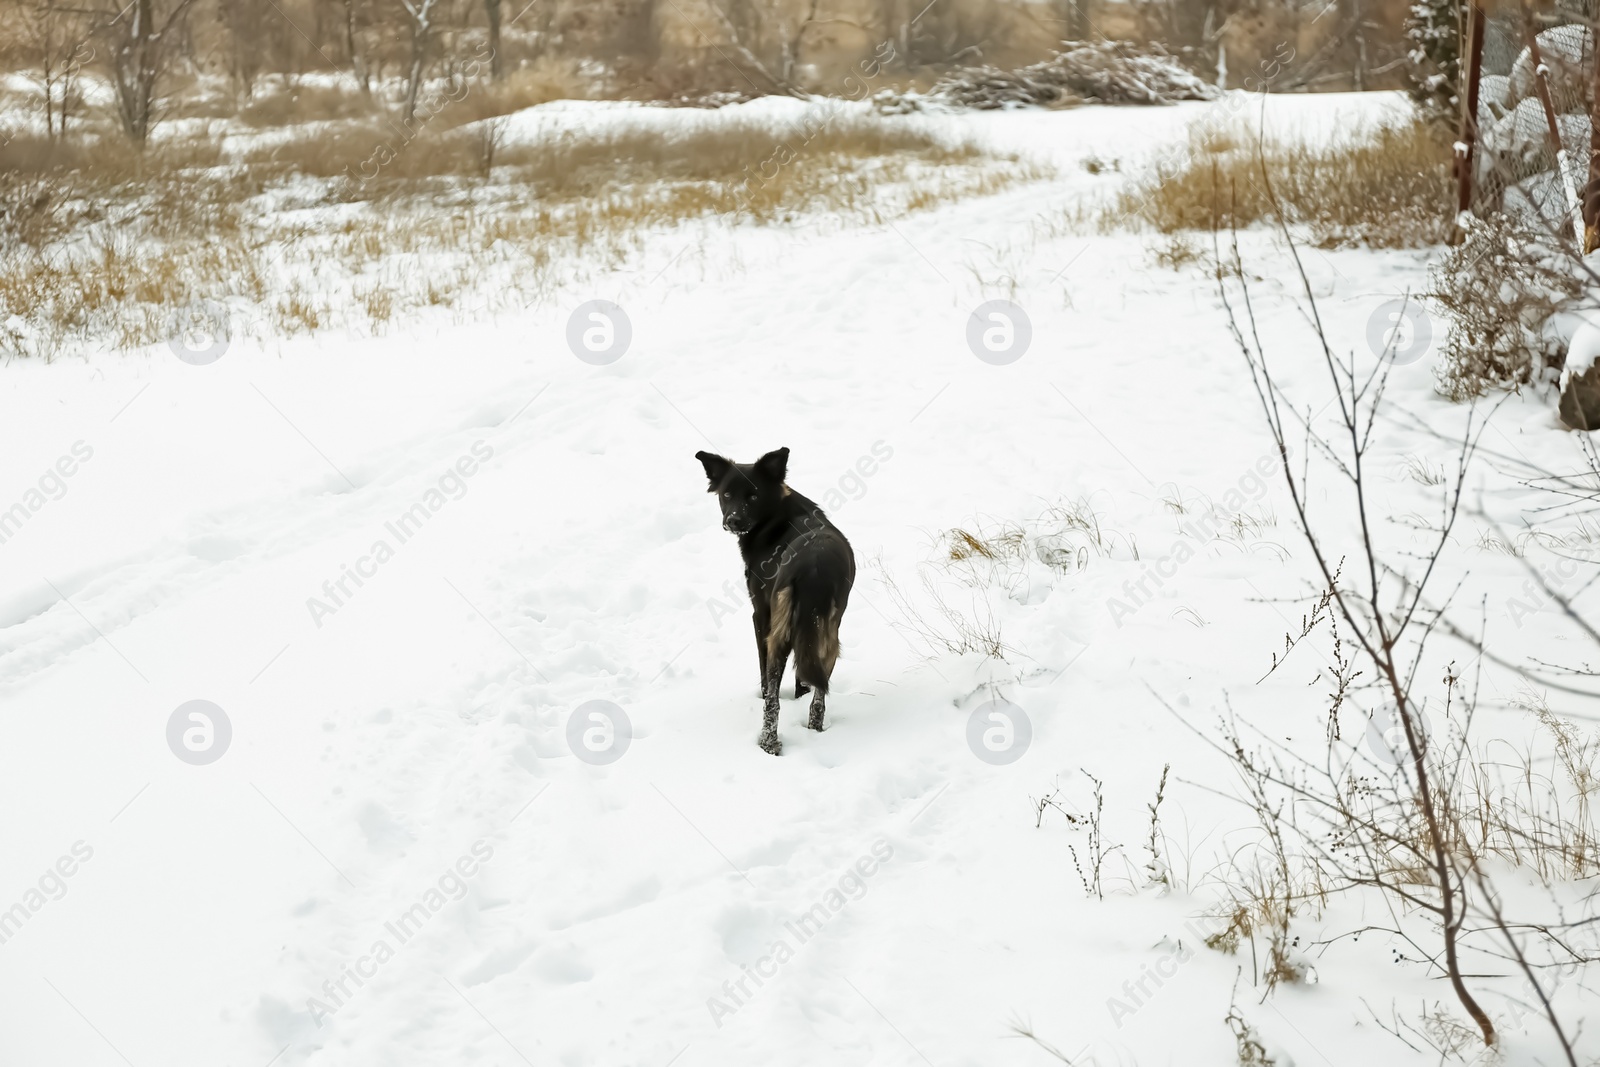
1106, 72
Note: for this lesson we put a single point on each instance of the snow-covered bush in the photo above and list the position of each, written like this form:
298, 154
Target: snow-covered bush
1433, 31
1499, 289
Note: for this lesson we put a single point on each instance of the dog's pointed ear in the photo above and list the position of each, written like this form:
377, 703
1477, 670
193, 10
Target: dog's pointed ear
716, 468
774, 465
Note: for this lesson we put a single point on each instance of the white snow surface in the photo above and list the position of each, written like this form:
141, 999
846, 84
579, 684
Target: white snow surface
377, 747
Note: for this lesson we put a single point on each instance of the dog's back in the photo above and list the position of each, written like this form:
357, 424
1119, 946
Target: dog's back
810, 588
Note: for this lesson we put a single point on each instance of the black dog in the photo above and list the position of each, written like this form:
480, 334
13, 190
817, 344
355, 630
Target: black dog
799, 569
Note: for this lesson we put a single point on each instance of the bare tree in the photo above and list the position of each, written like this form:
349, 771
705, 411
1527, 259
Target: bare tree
491, 9
353, 51
897, 19
765, 36
246, 24
140, 40
53, 41
421, 15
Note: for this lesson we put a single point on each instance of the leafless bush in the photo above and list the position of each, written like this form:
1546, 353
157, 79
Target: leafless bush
1423, 816
1500, 288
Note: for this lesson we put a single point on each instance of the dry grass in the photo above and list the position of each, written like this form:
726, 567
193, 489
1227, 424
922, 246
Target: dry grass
726, 157
278, 102
1063, 538
293, 105
102, 245
1385, 188
538, 83
943, 627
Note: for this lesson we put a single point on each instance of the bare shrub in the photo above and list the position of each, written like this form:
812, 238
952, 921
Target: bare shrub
1500, 288
1252, 1053
1421, 815
1177, 251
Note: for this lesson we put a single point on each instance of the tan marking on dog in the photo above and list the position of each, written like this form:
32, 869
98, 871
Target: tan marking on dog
828, 641
778, 635
787, 490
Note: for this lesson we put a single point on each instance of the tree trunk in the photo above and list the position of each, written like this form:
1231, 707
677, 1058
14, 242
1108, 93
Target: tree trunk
421, 37
492, 9
1469, 115
413, 82
134, 81
357, 63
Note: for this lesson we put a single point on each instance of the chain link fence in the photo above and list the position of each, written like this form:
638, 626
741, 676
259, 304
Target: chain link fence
1516, 167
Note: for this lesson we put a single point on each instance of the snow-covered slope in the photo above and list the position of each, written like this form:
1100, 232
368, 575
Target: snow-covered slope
400, 860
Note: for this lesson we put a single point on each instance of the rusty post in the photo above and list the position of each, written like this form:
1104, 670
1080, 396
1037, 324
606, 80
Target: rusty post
1541, 82
1591, 188
1466, 145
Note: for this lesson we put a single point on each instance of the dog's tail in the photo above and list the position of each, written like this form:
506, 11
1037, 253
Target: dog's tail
814, 622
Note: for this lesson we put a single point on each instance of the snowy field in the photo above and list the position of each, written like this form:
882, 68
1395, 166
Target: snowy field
399, 859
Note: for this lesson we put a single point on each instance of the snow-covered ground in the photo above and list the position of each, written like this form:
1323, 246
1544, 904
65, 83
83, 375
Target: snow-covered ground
399, 801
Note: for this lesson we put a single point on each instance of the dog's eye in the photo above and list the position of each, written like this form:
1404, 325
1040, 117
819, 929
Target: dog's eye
752, 496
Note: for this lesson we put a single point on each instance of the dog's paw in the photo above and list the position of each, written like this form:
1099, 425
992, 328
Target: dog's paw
815, 723
770, 744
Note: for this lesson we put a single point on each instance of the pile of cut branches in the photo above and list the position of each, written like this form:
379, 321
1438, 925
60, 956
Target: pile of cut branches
1105, 72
